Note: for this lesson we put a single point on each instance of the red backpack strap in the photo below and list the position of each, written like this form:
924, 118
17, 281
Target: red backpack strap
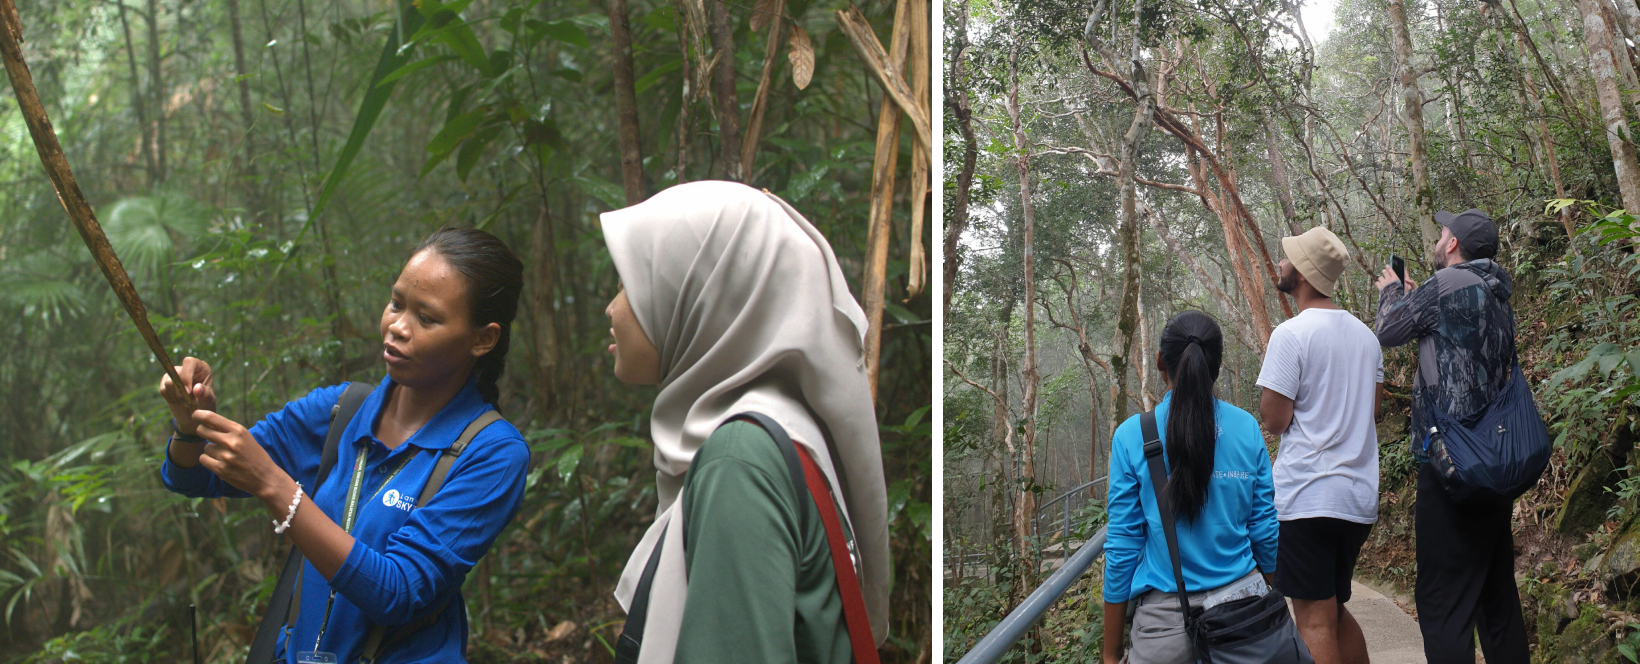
804, 472
848, 583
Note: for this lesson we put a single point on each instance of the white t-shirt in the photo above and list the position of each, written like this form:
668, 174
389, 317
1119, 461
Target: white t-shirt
1329, 363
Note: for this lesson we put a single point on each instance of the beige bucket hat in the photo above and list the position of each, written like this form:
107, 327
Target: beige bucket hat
1319, 255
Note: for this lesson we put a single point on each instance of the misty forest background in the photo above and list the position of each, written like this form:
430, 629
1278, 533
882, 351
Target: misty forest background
1105, 173
263, 167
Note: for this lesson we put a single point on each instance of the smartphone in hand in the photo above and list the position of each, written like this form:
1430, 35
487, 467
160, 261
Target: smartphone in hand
1400, 266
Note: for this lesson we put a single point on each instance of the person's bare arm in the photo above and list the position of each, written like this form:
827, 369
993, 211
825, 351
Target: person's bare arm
1377, 402
1275, 411
1115, 621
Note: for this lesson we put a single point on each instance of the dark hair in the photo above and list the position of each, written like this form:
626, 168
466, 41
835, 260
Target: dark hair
1191, 349
1465, 254
494, 277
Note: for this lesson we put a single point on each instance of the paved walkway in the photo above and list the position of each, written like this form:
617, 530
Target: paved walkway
1392, 635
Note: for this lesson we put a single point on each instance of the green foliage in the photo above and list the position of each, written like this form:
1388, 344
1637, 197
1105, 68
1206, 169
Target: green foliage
141, 228
119, 642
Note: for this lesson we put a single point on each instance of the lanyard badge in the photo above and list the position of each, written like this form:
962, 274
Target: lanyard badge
349, 515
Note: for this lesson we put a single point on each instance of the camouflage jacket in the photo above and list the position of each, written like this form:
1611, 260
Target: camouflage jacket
1465, 329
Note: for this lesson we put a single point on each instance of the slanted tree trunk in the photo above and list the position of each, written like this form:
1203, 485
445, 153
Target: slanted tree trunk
1412, 116
1235, 244
956, 99
1597, 36
626, 103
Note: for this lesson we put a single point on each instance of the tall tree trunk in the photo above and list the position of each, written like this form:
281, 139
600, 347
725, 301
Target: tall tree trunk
884, 163
1629, 23
137, 102
1025, 507
725, 102
956, 99
253, 196
156, 81
1278, 178
626, 103
760, 104
1597, 36
1545, 140
543, 315
1128, 232
922, 156
1002, 426
313, 99
1142, 360
1622, 55
1412, 116
681, 129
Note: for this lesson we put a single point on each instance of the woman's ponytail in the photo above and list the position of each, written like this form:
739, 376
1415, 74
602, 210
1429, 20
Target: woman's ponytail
495, 277
1191, 350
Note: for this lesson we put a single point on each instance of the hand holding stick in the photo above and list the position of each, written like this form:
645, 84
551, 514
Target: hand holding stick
68, 191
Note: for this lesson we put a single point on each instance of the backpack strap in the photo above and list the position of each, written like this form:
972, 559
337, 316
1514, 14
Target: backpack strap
287, 592
631, 641
1158, 479
378, 640
808, 474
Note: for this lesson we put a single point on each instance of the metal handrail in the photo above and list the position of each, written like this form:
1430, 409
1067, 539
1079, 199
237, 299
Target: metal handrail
995, 644
1068, 494
1065, 521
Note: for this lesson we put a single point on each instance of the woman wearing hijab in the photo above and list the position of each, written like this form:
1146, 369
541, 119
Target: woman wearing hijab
378, 555
733, 303
1219, 487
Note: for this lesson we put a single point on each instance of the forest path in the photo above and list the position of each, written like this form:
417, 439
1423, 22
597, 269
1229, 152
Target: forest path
1392, 635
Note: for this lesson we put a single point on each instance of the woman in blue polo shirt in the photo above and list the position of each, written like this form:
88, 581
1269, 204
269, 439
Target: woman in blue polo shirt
378, 559
1219, 486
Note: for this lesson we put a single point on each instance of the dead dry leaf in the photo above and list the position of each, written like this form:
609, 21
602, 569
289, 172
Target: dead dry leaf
802, 57
562, 630
764, 13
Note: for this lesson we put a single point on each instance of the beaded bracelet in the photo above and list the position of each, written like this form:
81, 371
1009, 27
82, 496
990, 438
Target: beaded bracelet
279, 528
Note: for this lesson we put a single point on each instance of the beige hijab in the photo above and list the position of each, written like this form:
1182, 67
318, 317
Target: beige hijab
749, 310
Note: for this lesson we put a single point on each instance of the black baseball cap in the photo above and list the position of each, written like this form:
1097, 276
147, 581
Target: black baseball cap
1475, 231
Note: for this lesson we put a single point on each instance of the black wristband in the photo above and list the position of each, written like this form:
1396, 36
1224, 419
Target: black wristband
177, 434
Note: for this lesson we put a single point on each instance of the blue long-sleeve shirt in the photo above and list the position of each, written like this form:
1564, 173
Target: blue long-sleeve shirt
1235, 530
405, 561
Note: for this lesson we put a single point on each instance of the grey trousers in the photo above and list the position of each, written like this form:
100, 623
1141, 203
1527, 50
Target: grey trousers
1157, 630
